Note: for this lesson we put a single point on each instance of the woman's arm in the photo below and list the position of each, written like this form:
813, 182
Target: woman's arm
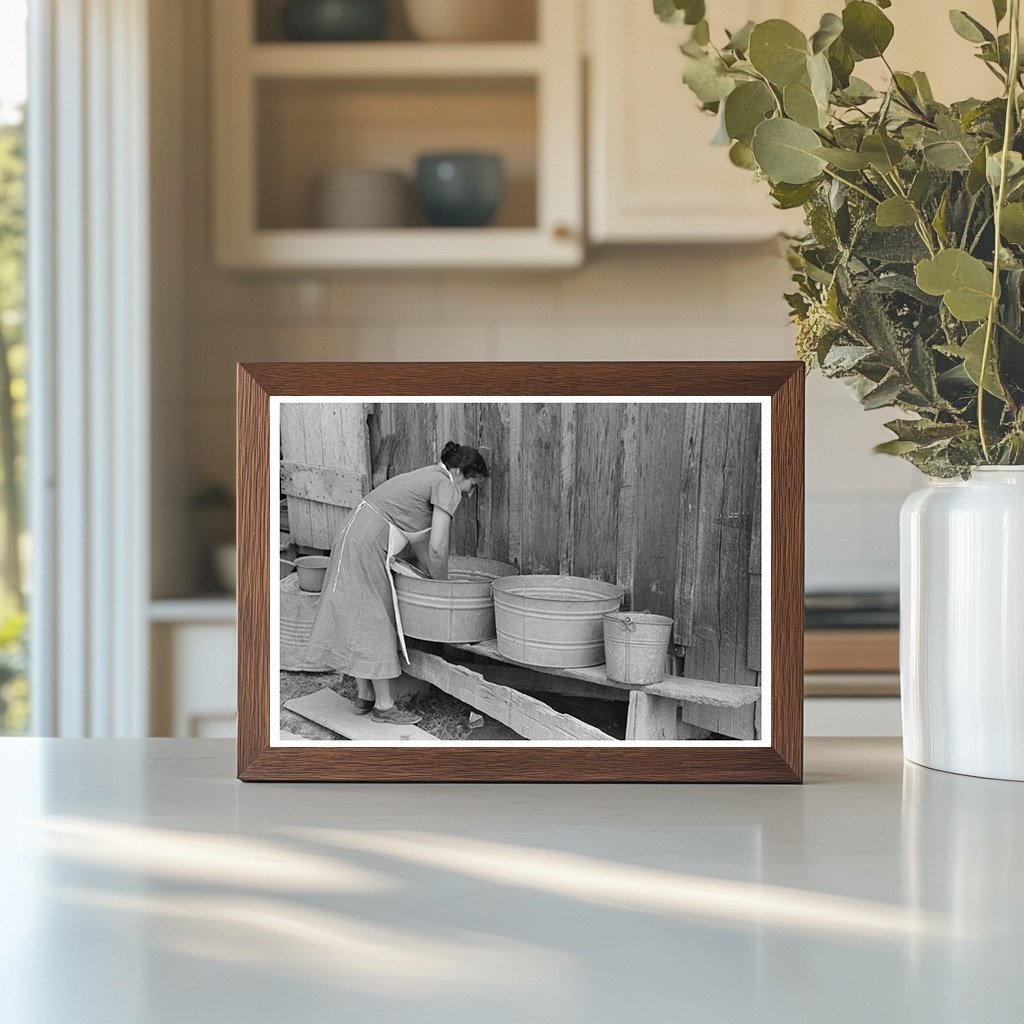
437, 549
421, 549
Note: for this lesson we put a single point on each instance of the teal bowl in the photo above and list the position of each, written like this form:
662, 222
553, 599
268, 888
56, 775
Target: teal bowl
333, 21
462, 190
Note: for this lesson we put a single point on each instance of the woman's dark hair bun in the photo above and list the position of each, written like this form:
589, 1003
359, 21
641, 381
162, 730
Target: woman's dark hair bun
460, 456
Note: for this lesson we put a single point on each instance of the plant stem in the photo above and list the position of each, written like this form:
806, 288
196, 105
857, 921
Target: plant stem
993, 309
850, 184
922, 225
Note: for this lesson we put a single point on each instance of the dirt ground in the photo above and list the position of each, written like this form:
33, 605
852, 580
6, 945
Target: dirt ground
443, 715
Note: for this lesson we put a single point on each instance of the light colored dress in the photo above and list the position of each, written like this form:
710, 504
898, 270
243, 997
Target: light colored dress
357, 629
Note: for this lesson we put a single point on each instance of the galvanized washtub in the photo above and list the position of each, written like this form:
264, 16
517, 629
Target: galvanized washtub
458, 610
553, 621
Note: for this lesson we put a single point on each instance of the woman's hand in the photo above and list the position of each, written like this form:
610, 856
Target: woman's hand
437, 549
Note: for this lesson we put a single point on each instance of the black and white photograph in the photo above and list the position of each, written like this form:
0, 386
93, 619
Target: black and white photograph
512, 571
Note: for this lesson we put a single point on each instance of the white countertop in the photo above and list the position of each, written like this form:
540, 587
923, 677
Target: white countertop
144, 885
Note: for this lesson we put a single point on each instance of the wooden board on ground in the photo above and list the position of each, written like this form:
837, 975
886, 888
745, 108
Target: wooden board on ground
337, 713
722, 695
526, 715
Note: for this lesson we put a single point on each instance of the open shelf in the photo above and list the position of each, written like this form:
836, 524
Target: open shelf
287, 113
308, 127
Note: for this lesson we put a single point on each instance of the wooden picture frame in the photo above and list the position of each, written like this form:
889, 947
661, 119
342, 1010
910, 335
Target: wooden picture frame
777, 757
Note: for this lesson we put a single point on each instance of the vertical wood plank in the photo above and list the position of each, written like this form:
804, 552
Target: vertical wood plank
515, 485
597, 494
494, 435
754, 625
628, 455
718, 648
541, 483
689, 523
415, 427
484, 512
651, 717
460, 422
313, 429
566, 536
340, 428
293, 449
657, 507
754, 600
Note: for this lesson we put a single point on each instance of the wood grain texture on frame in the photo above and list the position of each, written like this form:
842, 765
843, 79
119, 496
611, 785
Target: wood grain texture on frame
780, 762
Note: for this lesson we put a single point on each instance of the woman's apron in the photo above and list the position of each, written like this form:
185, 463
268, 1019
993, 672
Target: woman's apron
398, 541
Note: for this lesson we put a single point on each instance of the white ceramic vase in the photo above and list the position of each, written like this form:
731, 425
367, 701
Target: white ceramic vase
962, 624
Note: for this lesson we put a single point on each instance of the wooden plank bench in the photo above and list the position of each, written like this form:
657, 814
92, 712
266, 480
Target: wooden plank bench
653, 709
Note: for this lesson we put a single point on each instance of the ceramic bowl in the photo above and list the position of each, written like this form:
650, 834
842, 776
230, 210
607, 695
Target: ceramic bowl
460, 189
334, 20
467, 20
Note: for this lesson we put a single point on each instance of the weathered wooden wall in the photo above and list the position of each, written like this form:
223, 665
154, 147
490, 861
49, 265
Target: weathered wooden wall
325, 466
663, 499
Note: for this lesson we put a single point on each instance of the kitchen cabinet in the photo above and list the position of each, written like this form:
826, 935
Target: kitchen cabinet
286, 113
653, 175
193, 672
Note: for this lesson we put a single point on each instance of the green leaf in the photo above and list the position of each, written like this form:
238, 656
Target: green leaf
745, 108
858, 91
701, 33
947, 156
994, 168
968, 28
883, 153
844, 159
999, 7
895, 447
976, 174
676, 12
924, 88
866, 29
820, 76
921, 185
963, 281
741, 155
885, 394
939, 220
971, 352
923, 431
800, 105
841, 60
707, 80
721, 137
785, 152
1012, 223
739, 41
830, 29
896, 212
789, 197
778, 50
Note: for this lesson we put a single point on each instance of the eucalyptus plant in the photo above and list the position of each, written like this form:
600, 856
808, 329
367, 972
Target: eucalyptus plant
910, 278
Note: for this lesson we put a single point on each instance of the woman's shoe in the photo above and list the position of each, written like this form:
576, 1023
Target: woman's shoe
363, 706
396, 716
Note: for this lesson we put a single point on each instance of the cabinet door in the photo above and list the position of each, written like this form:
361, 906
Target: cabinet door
654, 175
